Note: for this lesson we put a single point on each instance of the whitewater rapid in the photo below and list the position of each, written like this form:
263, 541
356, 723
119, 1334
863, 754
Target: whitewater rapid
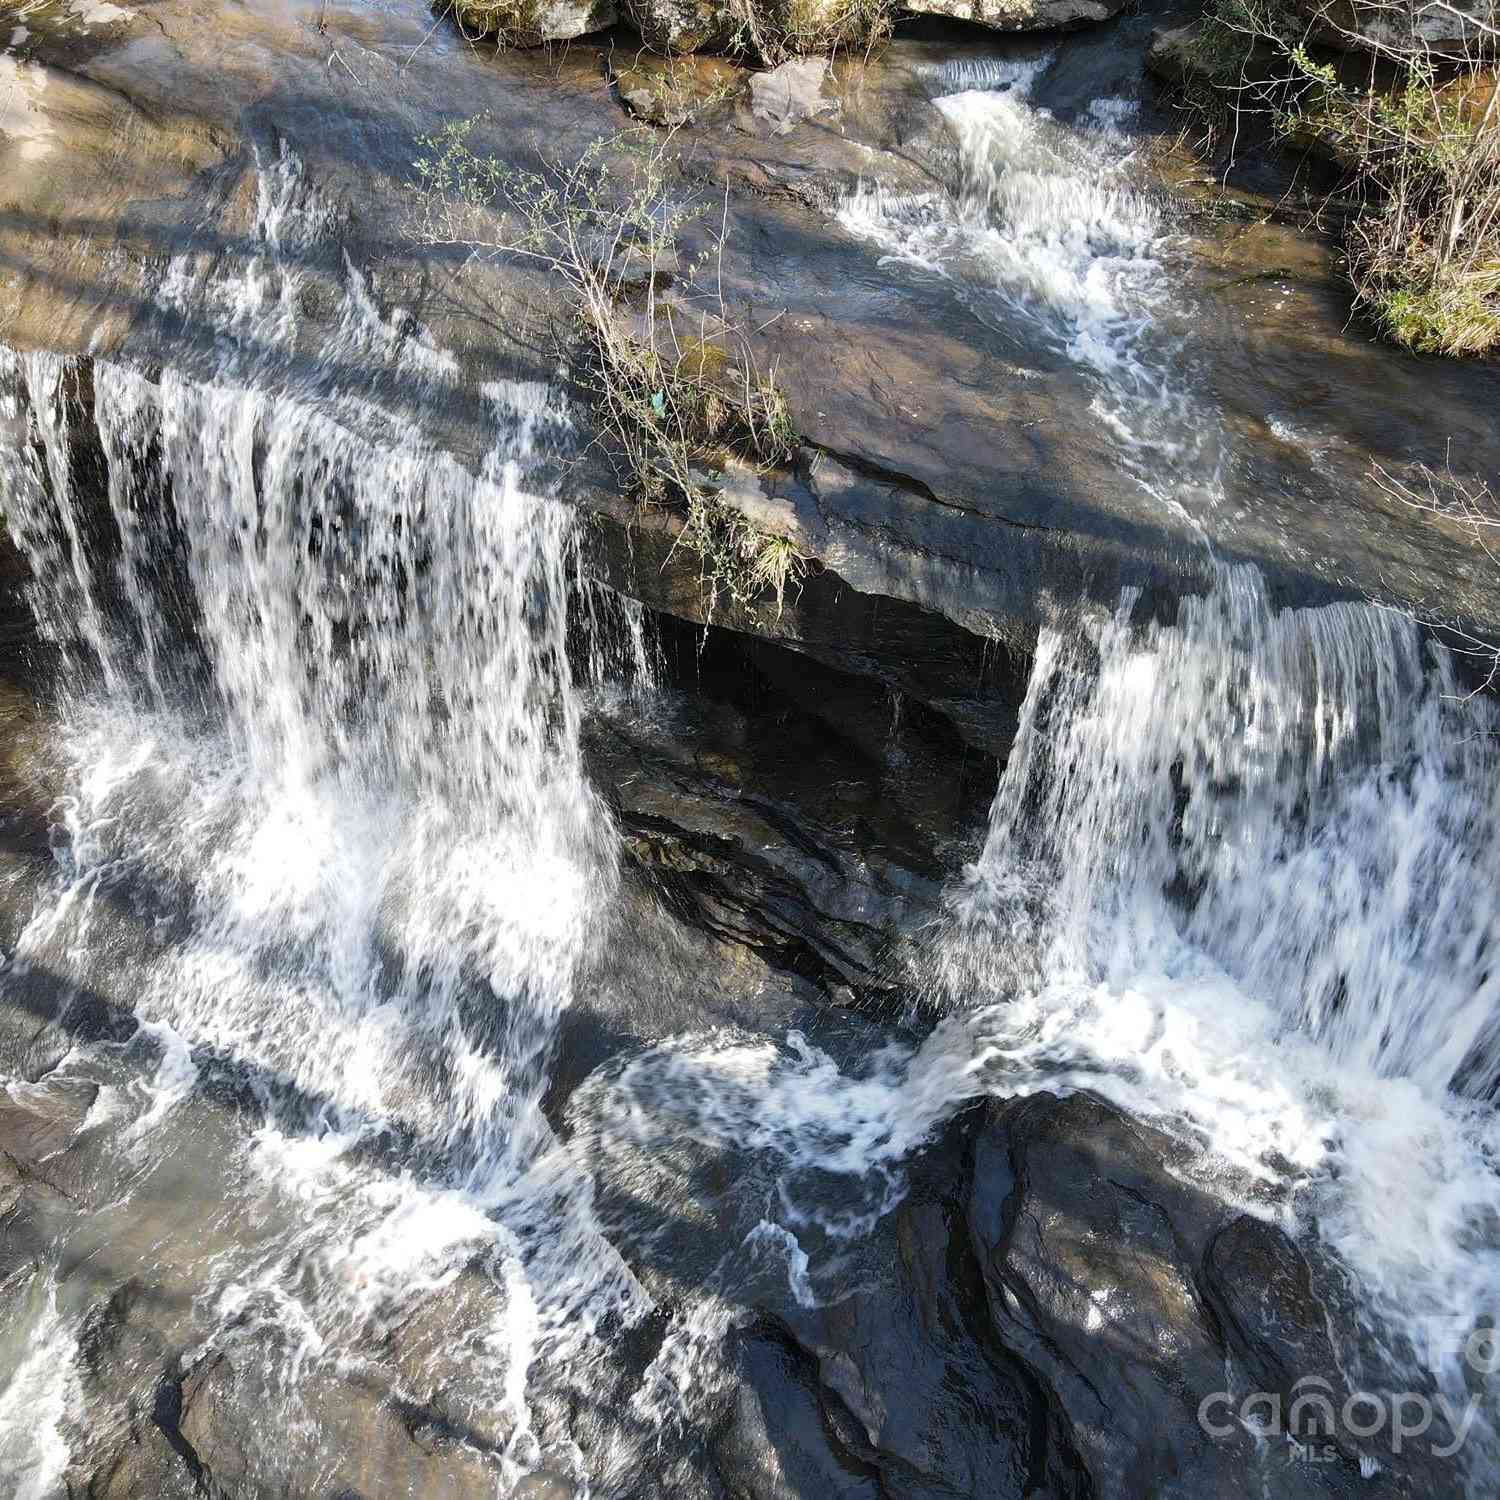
1239, 869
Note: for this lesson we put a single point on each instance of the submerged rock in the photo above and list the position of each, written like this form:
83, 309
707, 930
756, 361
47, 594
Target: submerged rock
38, 1120
782, 98
673, 91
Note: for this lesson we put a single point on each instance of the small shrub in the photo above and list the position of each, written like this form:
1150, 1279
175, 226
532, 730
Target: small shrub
794, 28
673, 384
1419, 139
737, 560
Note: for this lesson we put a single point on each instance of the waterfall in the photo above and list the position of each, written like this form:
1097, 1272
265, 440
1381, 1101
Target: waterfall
327, 826
1235, 880
1239, 871
327, 836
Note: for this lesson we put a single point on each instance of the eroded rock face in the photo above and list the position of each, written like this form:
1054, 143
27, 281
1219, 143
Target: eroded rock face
792, 809
912, 1393
1044, 1315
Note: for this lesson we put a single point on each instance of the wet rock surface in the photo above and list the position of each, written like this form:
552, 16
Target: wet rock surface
939, 465
1133, 1296
789, 808
1049, 1303
671, 91
1040, 1314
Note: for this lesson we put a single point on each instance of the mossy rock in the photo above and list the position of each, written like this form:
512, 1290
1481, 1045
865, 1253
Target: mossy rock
673, 91
532, 23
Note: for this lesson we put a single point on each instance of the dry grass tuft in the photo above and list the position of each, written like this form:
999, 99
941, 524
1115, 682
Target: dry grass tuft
1417, 135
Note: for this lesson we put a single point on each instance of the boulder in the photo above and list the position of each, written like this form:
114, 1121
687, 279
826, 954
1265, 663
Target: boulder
1378, 26
672, 26
1136, 1299
786, 95
1175, 57
1018, 15
890, 1388
532, 23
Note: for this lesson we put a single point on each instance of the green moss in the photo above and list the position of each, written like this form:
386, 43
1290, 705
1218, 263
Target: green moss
1442, 315
1419, 148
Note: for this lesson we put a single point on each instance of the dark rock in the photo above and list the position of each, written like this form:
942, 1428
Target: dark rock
792, 808
777, 1443
1261, 1289
892, 1387
1133, 1296
1174, 55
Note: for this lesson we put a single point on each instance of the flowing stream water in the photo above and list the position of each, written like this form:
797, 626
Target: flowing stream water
327, 831
1237, 869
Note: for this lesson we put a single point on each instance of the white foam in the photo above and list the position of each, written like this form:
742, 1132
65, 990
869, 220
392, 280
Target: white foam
383, 857
1320, 1021
36, 1403
22, 118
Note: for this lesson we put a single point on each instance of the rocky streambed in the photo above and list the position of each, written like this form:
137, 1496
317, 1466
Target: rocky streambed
481, 1017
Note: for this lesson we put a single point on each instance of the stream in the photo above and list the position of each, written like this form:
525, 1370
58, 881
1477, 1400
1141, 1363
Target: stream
315, 710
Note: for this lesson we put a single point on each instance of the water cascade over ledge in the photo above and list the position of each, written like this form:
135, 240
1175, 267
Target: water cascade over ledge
328, 836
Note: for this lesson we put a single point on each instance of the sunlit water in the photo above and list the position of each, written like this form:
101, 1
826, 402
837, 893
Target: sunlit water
322, 738
1239, 868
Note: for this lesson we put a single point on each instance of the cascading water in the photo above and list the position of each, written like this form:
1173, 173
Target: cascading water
1234, 882
1238, 870
328, 836
373, 827
328, 829
1047, 232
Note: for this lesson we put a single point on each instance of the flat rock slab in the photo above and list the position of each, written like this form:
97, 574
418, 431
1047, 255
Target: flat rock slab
785, 96
948, 464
